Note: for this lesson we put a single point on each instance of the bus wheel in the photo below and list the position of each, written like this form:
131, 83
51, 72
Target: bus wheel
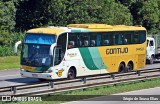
121, 68
129, 66
71, 73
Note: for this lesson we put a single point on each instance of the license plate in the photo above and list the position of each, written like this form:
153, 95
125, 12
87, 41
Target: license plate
34, 75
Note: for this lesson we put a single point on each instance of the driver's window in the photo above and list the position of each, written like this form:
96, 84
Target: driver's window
58, 55
151, 43
60, 49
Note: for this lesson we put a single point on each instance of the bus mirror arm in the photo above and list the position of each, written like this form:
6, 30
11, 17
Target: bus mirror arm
51, 49
16, 46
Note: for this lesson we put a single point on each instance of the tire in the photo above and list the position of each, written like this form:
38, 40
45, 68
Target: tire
129, 66
121, 68
71, 74
151, 61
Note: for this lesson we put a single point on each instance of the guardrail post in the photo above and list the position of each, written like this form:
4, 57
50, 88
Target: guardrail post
113, 76
84, 80
139, 73
51, 83
13, 88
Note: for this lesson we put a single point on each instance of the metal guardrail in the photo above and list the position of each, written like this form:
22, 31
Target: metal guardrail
83, 82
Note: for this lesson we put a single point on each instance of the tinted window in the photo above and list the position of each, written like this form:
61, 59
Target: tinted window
72, 40
118, 39
106, 39
127, 38
84, 39
93, 39
60, 49
151, 43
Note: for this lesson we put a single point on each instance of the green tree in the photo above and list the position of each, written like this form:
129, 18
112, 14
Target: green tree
144, 12
31, 13
150, 14
89, 11
116, 13
7, 20
35, 13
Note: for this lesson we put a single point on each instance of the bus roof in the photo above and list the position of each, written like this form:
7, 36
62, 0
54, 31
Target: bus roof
105, 27
47, 30
84, 28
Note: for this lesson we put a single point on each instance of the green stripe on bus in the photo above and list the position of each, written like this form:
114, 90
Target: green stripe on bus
96, 57
87, 58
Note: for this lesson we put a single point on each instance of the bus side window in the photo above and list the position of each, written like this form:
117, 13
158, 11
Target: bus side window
127, 38
84, 39
72, 40
92, 43
136, 40
71, 44
93, 39
106, 42
120, 38
142, 36
125, 41
98, 40
80, 43
85, 43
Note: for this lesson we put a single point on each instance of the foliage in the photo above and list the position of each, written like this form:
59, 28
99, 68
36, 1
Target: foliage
145, 13
7, 20
7, 49
21, 15
36, 13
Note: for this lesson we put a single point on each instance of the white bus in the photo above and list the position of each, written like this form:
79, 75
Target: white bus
81, 50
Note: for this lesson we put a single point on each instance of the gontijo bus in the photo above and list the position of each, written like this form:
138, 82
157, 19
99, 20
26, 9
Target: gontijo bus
81, 50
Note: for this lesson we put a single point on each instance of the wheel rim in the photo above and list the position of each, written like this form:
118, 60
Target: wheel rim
71, 74
129, 67
121, 68
151, 60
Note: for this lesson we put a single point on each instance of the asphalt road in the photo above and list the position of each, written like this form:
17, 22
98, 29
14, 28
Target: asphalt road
12, 77
146, 96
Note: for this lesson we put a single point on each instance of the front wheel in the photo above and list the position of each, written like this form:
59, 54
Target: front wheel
151, 60
71, 74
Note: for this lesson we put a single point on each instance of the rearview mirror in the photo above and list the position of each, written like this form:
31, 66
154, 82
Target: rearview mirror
16, 46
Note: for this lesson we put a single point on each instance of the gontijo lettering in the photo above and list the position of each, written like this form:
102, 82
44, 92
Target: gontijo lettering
117, 50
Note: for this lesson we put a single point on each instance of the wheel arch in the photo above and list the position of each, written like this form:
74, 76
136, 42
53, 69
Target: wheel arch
131, 61
74, 68
122, 62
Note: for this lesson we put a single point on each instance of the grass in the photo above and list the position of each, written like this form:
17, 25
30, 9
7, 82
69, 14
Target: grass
92, 92
9, 62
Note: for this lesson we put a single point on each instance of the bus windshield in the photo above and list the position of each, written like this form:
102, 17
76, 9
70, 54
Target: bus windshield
35, 50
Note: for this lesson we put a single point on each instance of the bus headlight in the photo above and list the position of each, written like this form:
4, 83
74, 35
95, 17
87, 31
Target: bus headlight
21, 68
48, 71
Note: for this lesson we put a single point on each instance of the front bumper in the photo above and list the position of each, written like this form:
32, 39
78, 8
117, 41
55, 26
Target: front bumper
36, 75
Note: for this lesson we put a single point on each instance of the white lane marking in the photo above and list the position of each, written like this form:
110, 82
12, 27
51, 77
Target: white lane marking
9, 75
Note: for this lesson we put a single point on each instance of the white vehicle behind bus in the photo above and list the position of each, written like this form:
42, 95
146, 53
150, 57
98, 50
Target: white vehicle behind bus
153, 51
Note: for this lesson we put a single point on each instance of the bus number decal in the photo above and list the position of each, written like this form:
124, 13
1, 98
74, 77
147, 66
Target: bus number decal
60, 72
140, 49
